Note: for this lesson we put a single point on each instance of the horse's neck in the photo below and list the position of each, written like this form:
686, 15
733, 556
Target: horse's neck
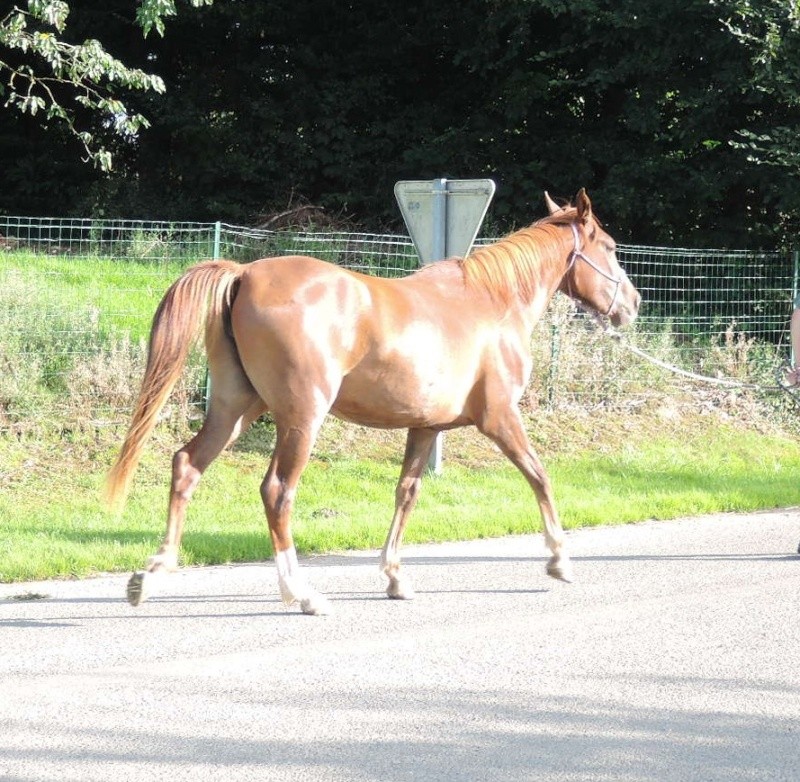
523, 271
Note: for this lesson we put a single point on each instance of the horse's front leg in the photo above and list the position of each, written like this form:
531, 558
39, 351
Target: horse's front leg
506, 429
418, 447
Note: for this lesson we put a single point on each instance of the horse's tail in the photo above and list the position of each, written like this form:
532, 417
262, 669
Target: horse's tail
203, 294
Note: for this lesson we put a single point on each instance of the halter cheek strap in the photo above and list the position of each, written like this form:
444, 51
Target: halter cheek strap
577, 252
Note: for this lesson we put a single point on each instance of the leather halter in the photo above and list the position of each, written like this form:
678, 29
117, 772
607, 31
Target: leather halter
577, 252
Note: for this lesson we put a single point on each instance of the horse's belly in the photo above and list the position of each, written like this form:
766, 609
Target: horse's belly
397, 399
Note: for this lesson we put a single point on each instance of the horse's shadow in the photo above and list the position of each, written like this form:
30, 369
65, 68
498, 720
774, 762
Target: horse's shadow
272, 605
343, 560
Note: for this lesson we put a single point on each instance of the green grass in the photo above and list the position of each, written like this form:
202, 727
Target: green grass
73, 335
54, 524
71, 358
119, 295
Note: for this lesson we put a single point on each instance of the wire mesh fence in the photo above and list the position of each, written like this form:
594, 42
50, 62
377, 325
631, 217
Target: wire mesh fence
77, 297
701, 291
380, 254
90, 238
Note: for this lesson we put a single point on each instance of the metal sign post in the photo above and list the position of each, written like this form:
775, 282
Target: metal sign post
443, 217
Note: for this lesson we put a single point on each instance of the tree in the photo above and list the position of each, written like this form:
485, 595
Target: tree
44, 73
768, 33
683, 133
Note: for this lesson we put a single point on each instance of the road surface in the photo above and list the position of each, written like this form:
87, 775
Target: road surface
674, 656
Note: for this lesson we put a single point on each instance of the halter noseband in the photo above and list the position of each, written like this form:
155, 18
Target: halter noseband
577, 252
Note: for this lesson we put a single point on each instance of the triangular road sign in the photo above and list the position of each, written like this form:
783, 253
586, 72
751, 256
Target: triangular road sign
443, 216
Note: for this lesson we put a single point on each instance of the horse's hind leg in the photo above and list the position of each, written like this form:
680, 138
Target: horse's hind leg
233, 406
418, 447
292, 452
506, 429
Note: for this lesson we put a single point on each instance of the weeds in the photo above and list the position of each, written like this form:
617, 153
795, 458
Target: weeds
72, 342
609, 426
73, 350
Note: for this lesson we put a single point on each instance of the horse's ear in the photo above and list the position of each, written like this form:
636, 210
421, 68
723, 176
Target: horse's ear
552, 206
584, 206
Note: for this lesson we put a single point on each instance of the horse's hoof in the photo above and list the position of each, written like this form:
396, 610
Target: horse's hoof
561, 570
315, 605
137, 591
400, 590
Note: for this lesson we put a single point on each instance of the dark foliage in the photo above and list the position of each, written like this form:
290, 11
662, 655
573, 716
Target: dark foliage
669, 119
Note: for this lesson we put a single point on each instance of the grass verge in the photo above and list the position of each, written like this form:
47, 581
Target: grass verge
55, 526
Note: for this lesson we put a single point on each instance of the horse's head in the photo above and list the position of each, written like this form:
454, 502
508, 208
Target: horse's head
594, 276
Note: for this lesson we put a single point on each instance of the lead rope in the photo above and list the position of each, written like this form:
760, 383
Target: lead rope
608, 330
719, 381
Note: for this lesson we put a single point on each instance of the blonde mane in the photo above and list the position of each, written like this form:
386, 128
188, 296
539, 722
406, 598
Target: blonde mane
513, 267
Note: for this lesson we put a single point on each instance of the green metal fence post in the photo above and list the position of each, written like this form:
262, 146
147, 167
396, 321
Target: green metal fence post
217, 238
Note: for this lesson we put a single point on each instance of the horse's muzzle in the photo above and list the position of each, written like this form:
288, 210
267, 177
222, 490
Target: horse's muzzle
626, 307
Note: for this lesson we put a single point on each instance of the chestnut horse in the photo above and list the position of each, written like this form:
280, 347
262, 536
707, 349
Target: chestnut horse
446, 346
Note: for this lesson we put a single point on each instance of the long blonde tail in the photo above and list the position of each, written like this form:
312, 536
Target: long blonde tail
204, 293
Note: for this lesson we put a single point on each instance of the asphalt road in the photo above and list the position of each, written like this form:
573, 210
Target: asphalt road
674, 656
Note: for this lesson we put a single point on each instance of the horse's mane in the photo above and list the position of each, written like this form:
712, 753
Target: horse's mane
512, 267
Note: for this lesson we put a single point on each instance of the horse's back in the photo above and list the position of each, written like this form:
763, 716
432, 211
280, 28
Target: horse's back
300, 286
387, 352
